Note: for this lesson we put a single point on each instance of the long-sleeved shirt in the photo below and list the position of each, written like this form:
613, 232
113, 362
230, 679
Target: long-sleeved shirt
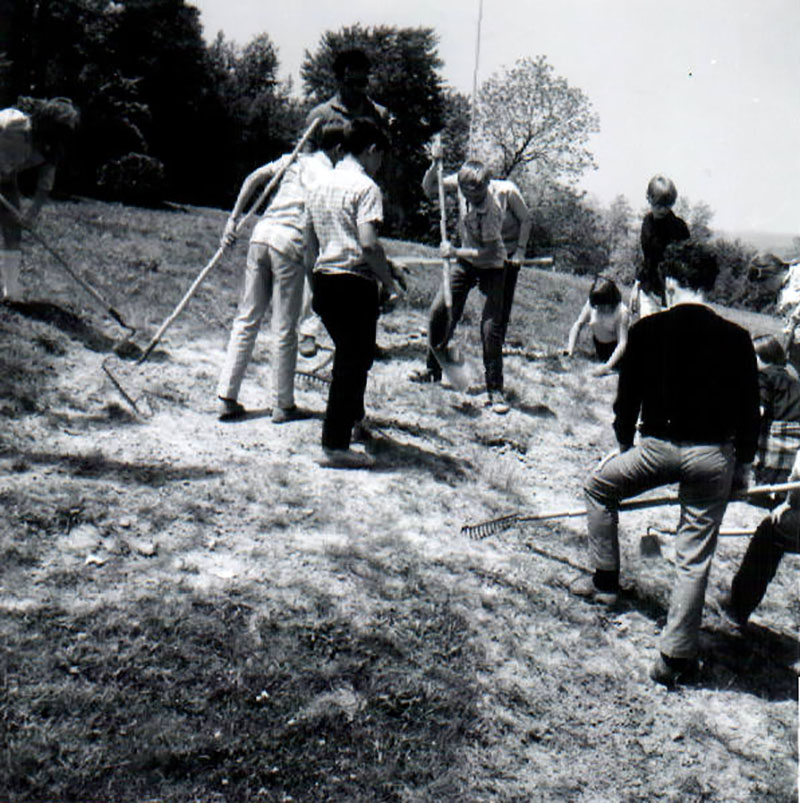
692, 376
657, 233
780, 394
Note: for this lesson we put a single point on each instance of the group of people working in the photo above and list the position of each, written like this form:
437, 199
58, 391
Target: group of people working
688, 379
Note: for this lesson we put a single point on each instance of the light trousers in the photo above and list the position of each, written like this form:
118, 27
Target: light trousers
704, 473
269, 276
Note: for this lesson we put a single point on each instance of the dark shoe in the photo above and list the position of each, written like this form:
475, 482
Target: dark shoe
380, 353
230, 410
345, 458
362, 433
307, 346
496, 399
671, 672
585, 588
280, 415
424, 377
729, 613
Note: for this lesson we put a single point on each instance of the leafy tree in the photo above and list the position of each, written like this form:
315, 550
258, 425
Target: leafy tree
530, 117
405, 79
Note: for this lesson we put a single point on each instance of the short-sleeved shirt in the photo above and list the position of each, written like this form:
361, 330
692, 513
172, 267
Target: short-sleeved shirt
283, 225
346, 199
17, 152
489, 224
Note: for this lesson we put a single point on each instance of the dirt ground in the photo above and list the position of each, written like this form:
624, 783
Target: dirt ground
196, 610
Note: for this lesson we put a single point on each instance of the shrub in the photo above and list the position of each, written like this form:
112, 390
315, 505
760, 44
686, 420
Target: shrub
134, 179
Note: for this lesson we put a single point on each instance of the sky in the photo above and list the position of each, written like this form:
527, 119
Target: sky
704, 91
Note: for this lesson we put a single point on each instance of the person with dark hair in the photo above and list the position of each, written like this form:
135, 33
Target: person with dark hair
350, 266
494, 227
275, 272
691, 376
776, 535
780, 414
34, 139
609, 319
660, 227
351, 70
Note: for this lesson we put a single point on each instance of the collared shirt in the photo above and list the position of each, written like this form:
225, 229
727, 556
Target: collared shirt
346, 199
335, 110
492, 224
693, 377
16, 149
282, 226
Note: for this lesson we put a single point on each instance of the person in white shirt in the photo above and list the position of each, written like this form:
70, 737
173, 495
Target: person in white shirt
275, 271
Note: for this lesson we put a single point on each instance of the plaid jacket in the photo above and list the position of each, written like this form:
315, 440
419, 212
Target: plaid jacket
777, 447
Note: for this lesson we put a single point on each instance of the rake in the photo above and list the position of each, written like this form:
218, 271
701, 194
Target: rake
64, 265
132, 398
486, 528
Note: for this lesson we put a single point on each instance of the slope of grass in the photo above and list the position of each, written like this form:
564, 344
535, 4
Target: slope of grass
198, 612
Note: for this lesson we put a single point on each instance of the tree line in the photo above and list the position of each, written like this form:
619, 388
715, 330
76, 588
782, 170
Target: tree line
167, 117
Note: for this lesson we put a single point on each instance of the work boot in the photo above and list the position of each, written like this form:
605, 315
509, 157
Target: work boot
362, 433
345, 458
280, 415
307, 346
425, 377
585, 588
230, 410
671, 672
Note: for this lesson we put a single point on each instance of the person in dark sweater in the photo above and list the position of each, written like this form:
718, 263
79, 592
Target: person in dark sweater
692, 377
660, 227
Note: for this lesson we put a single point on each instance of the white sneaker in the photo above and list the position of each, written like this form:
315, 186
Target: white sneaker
345, 458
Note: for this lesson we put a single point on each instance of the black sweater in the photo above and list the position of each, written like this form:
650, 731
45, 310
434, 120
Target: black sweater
693, 377
657, 233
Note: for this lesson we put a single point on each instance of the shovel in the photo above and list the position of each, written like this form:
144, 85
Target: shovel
454, 366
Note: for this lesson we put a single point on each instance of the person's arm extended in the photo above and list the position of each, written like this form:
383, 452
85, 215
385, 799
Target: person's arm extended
518, 207
254, 182
622, 339
575, 330
375, 256
430, 182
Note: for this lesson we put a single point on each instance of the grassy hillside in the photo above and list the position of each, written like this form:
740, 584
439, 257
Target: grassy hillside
196, 611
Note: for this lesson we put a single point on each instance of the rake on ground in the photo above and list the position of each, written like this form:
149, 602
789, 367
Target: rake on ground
64, 265
486, 528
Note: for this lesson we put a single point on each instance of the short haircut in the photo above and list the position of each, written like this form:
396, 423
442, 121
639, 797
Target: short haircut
473, 172
604, 291
54, 121
661, 191
353, 58
692, 264
769, 350
329, 134
361, 133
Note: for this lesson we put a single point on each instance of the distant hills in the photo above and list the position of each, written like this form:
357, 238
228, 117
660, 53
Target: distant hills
781, 244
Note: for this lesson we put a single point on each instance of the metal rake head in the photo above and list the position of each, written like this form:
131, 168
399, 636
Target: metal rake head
486, 528
312, 378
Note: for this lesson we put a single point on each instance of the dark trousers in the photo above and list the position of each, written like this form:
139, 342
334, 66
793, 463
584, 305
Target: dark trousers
777, 534
348, 306
497, 285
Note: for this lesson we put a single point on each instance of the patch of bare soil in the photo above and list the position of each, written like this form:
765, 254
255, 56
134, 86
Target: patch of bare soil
196, 610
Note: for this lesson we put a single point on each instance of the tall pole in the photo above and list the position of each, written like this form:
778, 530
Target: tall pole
474, 109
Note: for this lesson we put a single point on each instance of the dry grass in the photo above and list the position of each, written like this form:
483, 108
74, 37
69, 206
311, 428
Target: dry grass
197, 612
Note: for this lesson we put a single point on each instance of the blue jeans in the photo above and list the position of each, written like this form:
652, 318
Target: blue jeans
704, 473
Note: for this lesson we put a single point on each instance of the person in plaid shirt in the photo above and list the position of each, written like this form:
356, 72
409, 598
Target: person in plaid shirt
350, 265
